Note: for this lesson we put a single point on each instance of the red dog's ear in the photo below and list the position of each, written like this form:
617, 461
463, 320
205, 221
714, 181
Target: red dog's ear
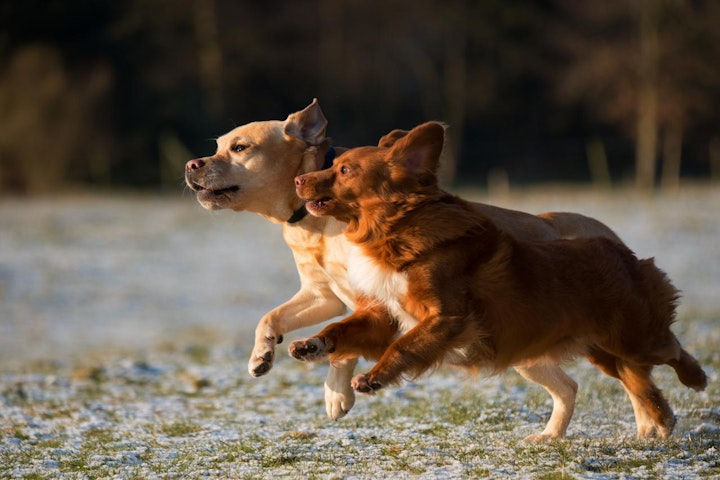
308, 124
389, 140
418, 153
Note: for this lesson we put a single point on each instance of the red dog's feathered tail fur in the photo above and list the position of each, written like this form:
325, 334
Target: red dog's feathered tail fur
458, 290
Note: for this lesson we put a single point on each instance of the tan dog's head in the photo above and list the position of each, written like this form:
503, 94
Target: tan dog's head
254, 165
363, 178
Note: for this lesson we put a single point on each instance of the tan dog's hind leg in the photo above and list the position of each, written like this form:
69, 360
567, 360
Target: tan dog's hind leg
561, 388
339, 395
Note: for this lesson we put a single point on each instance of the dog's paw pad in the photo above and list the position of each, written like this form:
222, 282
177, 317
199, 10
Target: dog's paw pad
337, 404
363, 384
261, 364
309, 349
261, 369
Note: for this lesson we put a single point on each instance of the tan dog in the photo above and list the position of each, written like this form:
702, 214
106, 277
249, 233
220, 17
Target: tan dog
437, 281
253, 169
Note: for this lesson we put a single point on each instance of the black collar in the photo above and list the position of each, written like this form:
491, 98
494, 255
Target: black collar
298, 214
301, 212
329, 158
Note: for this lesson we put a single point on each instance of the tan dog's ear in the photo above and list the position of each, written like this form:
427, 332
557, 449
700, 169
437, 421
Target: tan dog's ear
308, 124
418, 153
389, 140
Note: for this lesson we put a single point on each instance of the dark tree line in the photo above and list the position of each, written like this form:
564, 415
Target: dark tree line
122, 93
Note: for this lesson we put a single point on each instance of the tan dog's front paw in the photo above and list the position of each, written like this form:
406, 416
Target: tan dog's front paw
310, 349
364, 384
259, 365
261, 359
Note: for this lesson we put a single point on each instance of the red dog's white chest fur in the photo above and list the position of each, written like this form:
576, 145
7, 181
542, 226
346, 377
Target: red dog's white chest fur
386, 286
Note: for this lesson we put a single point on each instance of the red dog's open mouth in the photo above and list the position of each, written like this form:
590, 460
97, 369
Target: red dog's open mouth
318, 206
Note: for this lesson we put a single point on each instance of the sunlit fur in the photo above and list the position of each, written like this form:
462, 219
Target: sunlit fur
482, 298
260, 178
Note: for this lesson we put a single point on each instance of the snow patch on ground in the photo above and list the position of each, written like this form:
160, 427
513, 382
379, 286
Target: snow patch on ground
126, 323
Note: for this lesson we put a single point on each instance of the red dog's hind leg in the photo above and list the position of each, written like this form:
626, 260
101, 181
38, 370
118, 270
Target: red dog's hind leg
636, 379
608, 364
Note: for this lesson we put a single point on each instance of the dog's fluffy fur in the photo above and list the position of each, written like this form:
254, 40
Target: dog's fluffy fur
253, 169
438, 281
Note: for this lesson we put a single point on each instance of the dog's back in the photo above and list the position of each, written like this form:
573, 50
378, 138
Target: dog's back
567, 297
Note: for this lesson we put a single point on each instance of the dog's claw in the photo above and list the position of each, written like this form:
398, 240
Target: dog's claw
363, 384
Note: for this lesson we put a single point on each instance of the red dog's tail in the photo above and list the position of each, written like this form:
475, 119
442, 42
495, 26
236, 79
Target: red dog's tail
662, 294
689, 371
663, 300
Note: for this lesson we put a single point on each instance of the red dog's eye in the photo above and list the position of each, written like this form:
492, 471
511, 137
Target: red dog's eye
344, 170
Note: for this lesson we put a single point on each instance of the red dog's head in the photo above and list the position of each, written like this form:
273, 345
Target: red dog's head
363, 177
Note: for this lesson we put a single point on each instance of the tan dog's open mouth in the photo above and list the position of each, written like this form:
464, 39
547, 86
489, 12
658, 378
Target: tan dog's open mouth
213, 191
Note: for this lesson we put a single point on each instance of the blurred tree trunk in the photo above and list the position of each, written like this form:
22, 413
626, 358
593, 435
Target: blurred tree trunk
209, 55
598, 164
714, 156
647, 122
331, 49
455, 83
672, 155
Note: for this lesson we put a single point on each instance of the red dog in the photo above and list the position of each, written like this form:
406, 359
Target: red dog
441, 283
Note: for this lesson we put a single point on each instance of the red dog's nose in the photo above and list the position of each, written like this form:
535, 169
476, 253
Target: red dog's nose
194, 164
299, 181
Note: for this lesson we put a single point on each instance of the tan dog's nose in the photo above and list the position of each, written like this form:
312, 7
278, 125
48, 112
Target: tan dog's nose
194, 164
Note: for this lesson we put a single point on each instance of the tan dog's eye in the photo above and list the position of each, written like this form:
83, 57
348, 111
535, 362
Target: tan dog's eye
239, 148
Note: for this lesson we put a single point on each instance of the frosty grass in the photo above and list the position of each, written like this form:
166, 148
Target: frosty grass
126, 325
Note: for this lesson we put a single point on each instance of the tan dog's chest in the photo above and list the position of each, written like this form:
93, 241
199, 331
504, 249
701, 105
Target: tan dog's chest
320, 251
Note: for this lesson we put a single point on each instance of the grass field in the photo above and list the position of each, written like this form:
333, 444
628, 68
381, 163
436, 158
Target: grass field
126, 324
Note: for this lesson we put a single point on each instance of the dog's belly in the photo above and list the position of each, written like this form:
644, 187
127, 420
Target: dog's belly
385, 286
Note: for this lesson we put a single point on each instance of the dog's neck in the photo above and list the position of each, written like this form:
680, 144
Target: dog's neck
301, 212
389, 232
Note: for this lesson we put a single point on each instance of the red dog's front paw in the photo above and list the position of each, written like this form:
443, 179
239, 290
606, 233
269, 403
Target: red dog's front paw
362, 383
310, 349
